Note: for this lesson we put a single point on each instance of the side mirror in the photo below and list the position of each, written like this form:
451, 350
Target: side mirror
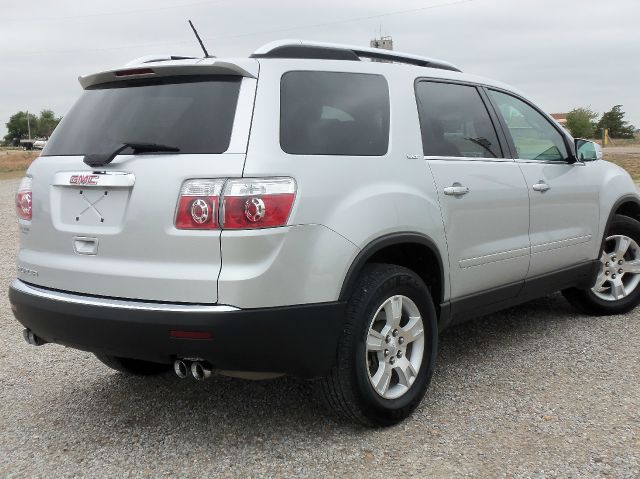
588, 150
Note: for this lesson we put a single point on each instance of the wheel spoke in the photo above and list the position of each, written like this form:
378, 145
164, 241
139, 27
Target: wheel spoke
375, 341
406, 372
393, 310
382, 378
622, 245
632, 266
604, 257
600, 281
617, 289
413, 330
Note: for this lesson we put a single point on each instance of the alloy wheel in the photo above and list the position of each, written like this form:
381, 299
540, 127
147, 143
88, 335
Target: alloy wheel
395, 347
619, 268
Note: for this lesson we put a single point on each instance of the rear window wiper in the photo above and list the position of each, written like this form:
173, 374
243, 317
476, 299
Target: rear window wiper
98, 159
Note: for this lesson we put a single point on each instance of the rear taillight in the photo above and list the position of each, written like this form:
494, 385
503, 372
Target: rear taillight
257, 202
198, 204
245, 203
24, 207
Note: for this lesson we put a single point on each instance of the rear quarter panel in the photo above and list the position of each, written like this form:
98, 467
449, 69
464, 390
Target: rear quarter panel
361, 198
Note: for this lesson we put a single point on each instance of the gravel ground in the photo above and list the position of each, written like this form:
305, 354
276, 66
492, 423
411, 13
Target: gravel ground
535, 391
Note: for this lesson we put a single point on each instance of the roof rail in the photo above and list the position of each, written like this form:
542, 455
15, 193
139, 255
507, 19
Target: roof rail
334, 51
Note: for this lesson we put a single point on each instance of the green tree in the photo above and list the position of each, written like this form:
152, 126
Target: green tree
614, 120
581, 122
47, 122
17, 127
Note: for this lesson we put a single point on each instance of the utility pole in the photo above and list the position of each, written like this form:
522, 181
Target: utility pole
28, 125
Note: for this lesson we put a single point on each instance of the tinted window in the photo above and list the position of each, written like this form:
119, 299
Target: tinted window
533, 135
195, 116
455, 122
326, 113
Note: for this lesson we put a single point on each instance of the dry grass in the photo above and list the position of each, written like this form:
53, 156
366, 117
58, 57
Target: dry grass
626, 142
16, 161
628, 161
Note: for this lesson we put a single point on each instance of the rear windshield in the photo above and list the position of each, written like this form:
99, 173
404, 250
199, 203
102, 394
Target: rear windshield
194, 114
328, 113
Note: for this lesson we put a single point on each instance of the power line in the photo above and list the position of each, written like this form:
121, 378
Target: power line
249, 34
337, 22
104, 14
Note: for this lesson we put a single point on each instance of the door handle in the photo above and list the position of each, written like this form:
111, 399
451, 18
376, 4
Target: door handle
541, 186
456, 190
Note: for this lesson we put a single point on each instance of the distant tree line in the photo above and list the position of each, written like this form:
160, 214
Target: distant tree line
41, 126
584, 123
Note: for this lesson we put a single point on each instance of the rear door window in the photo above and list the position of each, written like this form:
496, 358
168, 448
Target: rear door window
194, 114
455, 122
329, 113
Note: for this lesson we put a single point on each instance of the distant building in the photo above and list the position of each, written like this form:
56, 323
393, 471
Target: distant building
560, 118
384, 43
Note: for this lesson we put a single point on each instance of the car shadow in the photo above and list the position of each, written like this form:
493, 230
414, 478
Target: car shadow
512, 326
195, 411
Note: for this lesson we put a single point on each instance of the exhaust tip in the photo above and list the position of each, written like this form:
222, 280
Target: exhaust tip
200, 372
32, 339
181, 368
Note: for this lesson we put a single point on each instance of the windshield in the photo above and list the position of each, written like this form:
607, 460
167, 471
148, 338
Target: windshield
194, 114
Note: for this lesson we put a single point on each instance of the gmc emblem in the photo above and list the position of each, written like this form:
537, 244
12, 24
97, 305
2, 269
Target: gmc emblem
83, 180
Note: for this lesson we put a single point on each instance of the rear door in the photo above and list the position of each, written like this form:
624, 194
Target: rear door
110, 230
564, 196
483, 197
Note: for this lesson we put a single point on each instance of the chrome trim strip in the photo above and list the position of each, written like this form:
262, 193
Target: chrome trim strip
493, 257
115, 179
548, 162
542, 247
469, 158
18, 285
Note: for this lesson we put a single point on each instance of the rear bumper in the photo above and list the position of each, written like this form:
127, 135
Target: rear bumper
297, 340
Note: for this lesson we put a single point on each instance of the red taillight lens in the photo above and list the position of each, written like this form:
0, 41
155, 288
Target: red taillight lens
257, 202
198, 204
24, 208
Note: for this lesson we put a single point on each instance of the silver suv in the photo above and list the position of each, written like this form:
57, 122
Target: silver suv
304, 212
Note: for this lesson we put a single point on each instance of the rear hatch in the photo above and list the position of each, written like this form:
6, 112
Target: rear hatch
109, 230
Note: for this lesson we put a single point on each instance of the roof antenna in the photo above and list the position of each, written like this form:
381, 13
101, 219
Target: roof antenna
206, 53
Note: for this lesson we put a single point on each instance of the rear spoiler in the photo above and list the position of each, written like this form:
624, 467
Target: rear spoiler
155, 71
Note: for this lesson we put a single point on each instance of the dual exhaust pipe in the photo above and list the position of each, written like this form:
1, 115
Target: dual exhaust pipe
200, 370
30, 337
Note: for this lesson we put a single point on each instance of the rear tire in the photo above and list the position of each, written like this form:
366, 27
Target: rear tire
378, 343
135, 367
601, 300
